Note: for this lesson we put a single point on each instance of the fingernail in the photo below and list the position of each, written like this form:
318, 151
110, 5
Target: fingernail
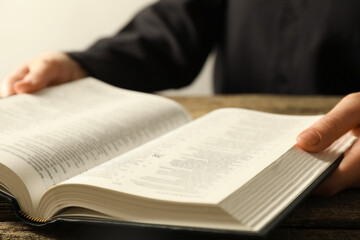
309, 137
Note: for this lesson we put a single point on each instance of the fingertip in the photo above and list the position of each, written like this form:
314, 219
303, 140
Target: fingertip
6, 90
309, 140
356, 132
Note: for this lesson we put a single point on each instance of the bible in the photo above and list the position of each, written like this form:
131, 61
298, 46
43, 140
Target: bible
88, 151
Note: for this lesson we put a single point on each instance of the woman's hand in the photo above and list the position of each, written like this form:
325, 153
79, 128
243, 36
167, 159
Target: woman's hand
344, 117
49, 69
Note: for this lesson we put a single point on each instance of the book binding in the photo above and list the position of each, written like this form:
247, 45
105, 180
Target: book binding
266, 231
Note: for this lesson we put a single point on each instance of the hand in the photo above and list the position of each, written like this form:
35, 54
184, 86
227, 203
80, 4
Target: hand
49, 69
344, 117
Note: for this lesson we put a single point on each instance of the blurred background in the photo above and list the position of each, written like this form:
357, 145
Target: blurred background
30, 27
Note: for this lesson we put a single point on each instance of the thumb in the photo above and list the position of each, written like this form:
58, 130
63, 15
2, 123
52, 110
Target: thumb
342, 118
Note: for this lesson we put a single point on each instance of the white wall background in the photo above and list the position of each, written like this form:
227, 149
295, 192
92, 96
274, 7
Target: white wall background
30, 27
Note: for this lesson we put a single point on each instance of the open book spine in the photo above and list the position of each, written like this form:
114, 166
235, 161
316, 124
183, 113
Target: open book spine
22, 215
264, 232
33, 220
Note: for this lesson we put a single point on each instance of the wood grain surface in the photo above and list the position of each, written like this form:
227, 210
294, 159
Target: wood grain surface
318, 217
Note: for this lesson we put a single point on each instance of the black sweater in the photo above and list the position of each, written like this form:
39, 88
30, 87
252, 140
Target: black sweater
263, 46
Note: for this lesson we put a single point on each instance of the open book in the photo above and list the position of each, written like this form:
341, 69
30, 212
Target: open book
87, 150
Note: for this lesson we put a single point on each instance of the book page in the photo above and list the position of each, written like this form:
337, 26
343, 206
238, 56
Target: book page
204, 161
55, 134
265, 196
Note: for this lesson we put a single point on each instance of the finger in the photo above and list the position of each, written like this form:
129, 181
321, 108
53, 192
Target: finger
356, 131
39, 77
342, 118
332, 185
7, 85
346, 175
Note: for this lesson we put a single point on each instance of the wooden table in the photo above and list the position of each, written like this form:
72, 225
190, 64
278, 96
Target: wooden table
317, 218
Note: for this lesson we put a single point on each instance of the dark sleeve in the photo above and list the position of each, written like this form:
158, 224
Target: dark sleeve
163, 47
